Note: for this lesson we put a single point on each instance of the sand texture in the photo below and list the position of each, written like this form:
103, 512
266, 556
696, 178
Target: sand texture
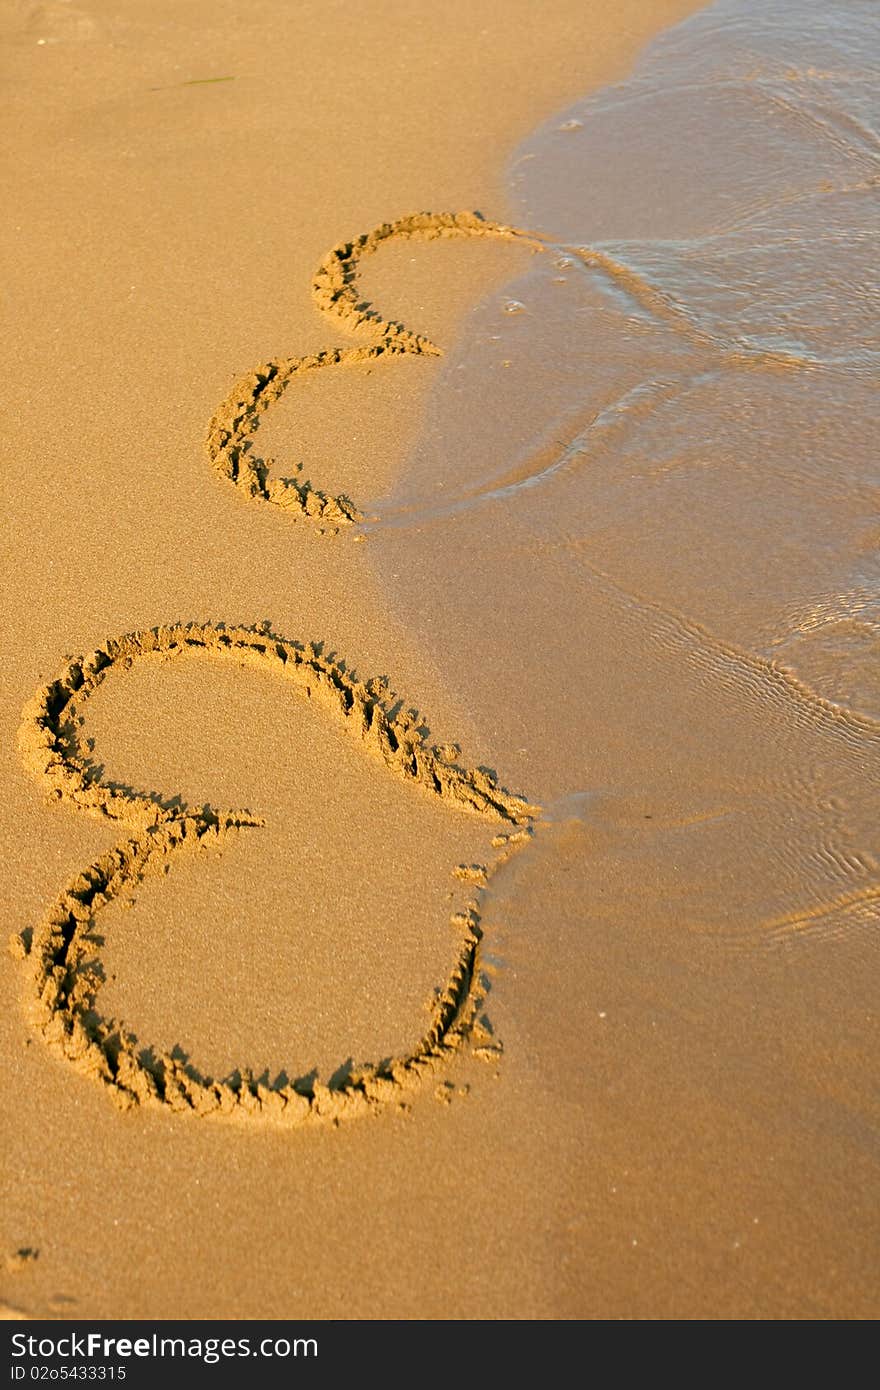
441, 717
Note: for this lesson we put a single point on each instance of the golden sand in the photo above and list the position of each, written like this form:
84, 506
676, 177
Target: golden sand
417, 815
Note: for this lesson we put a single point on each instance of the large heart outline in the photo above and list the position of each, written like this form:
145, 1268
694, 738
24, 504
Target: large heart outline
64, 968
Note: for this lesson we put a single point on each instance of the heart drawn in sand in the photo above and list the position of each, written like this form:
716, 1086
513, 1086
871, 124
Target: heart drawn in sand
62, 950
335, 291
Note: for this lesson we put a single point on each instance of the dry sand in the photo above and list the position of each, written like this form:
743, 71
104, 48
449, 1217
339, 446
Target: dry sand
408, 960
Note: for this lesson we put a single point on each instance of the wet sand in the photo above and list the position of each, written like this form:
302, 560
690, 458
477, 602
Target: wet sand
509, 951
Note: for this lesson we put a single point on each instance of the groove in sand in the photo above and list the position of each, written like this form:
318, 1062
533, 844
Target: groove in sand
62, 951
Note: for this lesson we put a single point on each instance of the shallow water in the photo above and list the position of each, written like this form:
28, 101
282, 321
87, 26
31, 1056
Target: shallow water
697, 407
657, 445
641, 528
